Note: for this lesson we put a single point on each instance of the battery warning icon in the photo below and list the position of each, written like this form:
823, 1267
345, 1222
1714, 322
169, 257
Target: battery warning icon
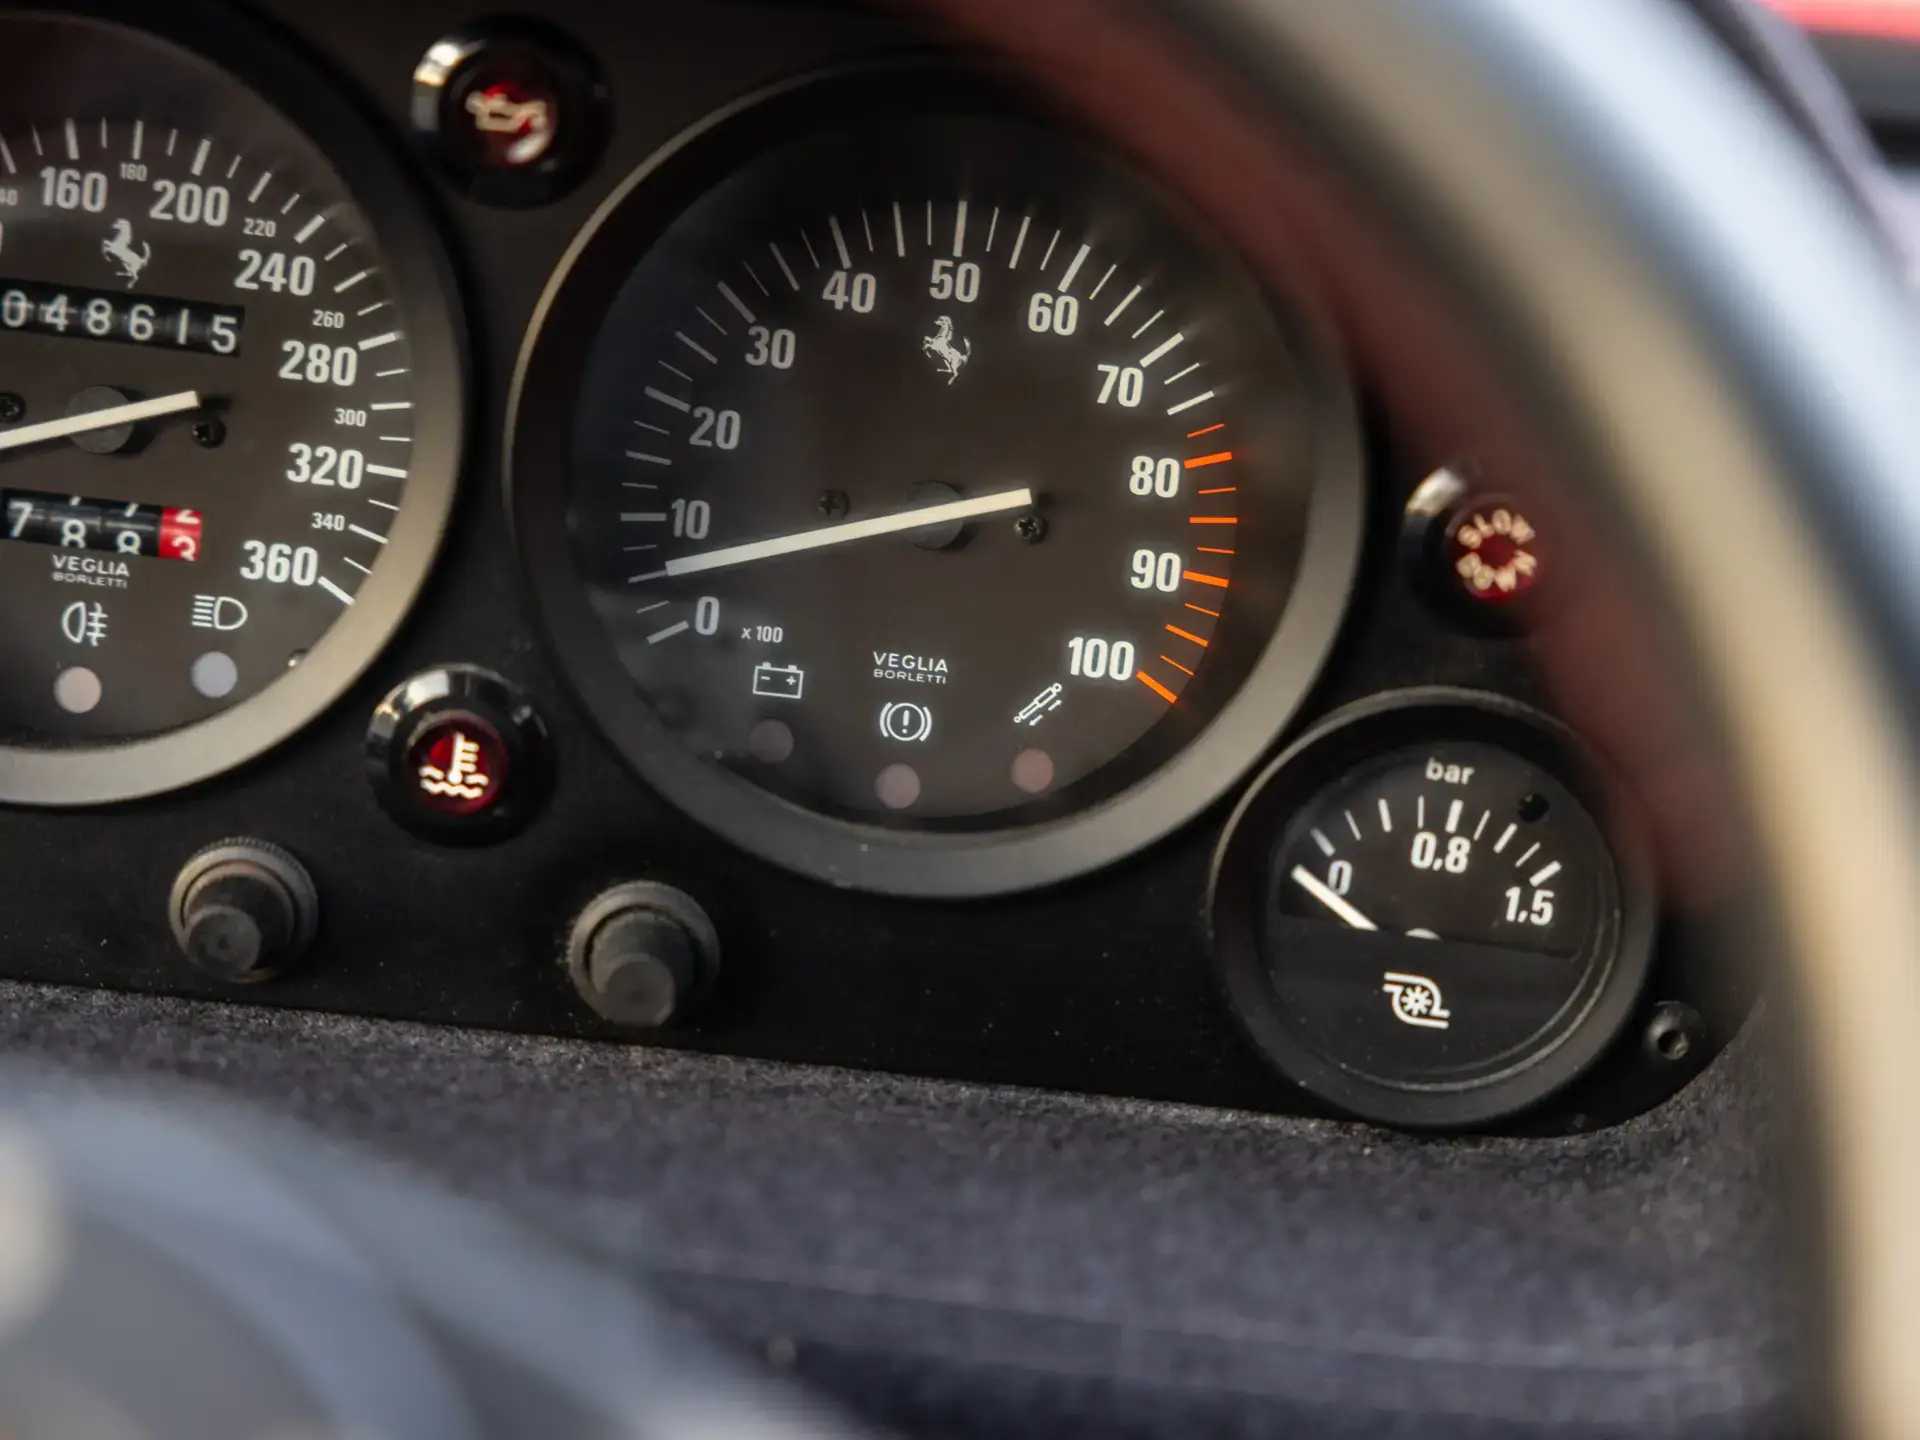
779, 682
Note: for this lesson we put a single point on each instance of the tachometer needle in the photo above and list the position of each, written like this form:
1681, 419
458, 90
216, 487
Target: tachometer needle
904, 520
1319, 890
128, 414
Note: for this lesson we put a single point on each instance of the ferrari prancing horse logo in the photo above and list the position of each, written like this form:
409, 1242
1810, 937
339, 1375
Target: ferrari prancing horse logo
940, 345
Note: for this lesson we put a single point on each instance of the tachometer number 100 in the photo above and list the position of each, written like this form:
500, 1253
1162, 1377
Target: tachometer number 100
1092, 658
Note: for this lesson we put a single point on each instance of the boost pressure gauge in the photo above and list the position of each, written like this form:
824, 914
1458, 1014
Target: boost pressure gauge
1428, 913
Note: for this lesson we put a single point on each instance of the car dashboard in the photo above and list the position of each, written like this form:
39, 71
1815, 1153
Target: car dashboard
745, 528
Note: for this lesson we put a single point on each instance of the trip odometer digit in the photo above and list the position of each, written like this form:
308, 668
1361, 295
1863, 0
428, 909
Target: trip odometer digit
229, 405
937, 480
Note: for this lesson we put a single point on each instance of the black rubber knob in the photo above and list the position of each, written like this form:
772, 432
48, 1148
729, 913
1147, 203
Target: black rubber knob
642, 967
243, 910
643, 955
237, 923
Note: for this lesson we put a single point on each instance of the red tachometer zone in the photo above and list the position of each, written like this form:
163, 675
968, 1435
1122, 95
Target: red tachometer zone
1198, 577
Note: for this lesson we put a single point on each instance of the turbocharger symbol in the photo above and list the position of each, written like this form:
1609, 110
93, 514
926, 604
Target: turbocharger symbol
904, 720
1416, 1001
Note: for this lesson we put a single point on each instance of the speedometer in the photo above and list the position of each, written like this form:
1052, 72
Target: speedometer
229, 404
938, 483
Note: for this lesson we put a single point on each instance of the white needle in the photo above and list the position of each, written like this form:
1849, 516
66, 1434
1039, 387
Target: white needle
1319, 890
100, 419
826, 535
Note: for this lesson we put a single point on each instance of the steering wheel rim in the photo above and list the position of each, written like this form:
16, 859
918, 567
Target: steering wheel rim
1609, 199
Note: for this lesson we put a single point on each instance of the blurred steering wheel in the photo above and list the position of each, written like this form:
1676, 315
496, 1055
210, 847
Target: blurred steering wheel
1698, 324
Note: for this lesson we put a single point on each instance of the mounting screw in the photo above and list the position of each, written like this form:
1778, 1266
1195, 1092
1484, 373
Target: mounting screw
1031, 528
209, 433
834, 504
1674, 1035
12, 408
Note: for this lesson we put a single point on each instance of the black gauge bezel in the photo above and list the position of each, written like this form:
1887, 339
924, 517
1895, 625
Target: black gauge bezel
953, 863
382, 185
1238, 889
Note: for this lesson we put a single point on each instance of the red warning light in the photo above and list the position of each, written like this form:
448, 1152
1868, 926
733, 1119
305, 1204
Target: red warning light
513, 122
1493, 551
458, 765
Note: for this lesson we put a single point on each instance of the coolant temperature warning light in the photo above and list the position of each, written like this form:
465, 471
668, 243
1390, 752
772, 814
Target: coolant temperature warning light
459, 764
459, 754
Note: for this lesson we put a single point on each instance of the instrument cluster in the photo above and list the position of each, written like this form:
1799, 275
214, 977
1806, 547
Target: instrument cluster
797, 550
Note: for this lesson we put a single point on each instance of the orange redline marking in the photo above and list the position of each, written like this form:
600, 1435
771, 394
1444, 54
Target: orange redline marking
1212, 550
1155, 686
1213, 519
1203, 579
1196, 434
1216, 459
1218, 490
1176, 665
1187, 635
1202, 609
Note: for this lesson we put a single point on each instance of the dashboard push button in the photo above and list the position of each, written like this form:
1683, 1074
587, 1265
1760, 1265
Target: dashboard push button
457, 753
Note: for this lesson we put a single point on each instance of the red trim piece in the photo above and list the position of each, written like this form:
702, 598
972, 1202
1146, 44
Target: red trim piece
1869, 19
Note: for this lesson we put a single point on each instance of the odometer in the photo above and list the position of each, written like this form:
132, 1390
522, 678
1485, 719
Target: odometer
941, 486
229, 405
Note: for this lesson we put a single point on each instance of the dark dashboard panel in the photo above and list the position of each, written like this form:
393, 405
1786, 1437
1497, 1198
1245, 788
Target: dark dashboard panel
1103, 983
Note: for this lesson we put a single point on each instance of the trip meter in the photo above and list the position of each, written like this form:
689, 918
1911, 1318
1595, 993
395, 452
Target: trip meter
229, 401
927, 501
1430, 911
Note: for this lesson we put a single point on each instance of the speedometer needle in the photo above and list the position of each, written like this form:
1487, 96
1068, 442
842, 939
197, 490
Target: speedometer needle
128, 414
920, 519
1325, 894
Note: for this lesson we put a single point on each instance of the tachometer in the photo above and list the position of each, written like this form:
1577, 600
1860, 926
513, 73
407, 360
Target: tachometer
229, 405
940, 484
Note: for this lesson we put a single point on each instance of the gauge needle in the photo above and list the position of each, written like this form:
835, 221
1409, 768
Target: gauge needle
1320, 891
100, 419
920, 519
